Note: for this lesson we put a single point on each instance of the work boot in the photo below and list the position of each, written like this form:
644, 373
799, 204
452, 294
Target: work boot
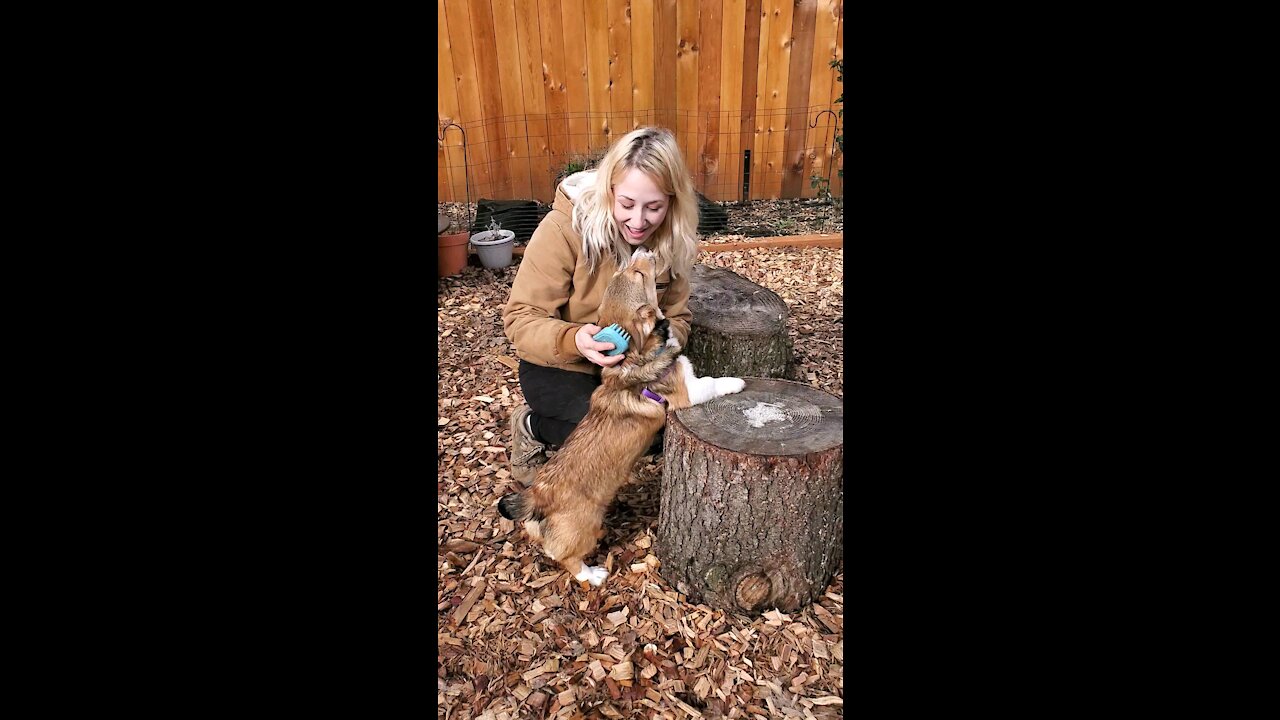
526, 452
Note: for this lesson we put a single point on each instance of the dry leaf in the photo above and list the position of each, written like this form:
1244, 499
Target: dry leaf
460, 545
465, 607
549, 666
544, 580
820, 649
684, 706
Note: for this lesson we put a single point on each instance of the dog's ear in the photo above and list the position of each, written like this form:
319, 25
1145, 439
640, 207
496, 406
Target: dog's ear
663, 329
646, 318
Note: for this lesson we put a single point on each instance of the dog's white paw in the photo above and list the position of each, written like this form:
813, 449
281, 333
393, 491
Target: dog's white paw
593, 575
729, 385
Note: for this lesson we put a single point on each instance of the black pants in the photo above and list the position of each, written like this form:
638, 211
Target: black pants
559, 400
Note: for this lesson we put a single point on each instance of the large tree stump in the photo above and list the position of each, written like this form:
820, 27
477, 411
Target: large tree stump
752, 509
739, 329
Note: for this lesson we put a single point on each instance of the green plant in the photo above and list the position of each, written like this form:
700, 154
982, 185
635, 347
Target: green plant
823, 185
580, 162
573, 166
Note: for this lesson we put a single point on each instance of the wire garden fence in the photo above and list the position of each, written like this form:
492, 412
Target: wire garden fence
733, 157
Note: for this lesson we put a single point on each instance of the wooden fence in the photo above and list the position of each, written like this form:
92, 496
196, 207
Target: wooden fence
537, 84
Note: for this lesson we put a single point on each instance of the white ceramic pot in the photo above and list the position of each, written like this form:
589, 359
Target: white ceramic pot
494, 247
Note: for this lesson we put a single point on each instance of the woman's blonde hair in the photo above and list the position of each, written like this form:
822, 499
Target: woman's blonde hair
654, 152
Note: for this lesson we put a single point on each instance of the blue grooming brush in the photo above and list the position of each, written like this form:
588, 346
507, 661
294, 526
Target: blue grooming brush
617, 336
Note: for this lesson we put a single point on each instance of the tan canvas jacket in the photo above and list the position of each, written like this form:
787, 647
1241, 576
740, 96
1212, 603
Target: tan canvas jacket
553, 294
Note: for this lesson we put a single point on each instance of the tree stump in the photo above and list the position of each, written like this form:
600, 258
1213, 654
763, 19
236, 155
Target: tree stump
739, 329
752, 509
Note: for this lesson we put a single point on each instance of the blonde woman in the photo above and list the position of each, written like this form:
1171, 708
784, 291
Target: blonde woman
640, 195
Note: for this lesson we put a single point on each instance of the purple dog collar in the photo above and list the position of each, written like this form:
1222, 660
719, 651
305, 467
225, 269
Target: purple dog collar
653, 395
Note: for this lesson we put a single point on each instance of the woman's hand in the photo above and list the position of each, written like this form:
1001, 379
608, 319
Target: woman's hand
592, 350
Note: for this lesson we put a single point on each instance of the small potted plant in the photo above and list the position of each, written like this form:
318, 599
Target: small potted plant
494, 245
451, 249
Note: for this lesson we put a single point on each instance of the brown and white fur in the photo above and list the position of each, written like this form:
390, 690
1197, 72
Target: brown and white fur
565, 505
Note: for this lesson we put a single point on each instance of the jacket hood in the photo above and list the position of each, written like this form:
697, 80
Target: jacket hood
571, 189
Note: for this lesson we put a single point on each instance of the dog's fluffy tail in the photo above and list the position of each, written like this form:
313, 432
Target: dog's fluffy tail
514, 506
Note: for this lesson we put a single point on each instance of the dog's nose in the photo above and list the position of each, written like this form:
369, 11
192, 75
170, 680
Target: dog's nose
642, 257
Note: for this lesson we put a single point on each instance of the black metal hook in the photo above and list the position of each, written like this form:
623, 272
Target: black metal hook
831, 161
814, 124
466, 171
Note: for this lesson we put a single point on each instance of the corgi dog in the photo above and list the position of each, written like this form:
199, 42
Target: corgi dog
564, 508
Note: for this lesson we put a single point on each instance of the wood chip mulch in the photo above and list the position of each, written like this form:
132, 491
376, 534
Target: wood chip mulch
780, 217
518, 637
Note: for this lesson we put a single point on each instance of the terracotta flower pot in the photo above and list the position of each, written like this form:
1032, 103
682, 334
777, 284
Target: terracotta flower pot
453, 253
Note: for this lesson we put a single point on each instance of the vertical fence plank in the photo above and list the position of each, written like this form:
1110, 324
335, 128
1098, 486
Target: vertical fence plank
779, 72
687, 85
484, 49
470, 107
555, 85
642, 64
820, 83
710, 16
665, 63
732, 34
802, 31
620, 74
837, 183
535, 108
760, 137
573, 17
753, 17
597, 27
446, 111
515, 133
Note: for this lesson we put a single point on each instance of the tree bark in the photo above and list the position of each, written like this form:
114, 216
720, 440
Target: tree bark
739, 329
752, 509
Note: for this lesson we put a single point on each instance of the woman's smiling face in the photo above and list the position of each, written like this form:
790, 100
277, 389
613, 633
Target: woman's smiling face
638, 206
